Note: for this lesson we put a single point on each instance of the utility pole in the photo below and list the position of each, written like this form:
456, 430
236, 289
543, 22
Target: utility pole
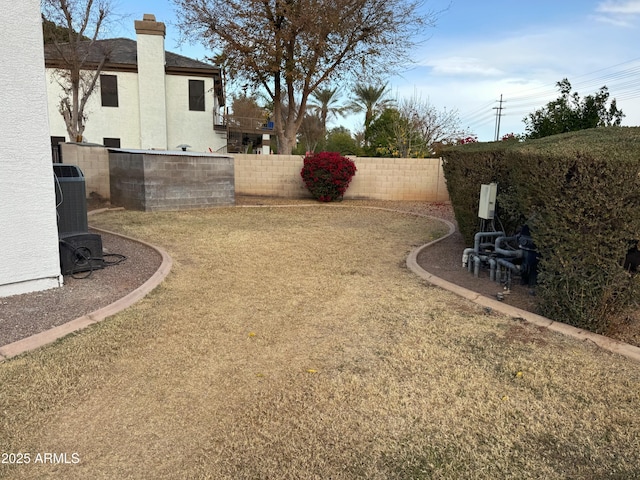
498, 117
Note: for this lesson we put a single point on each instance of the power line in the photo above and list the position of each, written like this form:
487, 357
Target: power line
621, 81
549, 90
622, 85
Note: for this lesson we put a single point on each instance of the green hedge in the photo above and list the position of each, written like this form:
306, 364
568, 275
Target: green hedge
580, 195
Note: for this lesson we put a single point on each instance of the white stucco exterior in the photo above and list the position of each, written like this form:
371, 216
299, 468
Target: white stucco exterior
104, 122
153, 105
29, 258
190, 127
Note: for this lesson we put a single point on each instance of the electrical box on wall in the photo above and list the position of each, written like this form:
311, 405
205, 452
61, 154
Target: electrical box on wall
487, 207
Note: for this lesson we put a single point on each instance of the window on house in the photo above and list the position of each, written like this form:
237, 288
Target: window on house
109, 90
111, 142
55, 149
196, 95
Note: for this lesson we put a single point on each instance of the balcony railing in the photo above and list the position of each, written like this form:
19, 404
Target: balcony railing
241, 124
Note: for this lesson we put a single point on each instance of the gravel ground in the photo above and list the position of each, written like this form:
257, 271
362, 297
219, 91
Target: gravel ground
24, 315
444, 259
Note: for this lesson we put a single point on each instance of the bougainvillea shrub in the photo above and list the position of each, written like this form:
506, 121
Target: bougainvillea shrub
327, 175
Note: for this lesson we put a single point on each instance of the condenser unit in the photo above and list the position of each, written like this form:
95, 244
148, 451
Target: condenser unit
71, 199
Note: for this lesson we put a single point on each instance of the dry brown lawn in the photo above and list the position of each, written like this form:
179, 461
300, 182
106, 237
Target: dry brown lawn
293, 343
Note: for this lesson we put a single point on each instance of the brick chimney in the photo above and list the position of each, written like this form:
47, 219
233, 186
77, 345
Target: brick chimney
151, 82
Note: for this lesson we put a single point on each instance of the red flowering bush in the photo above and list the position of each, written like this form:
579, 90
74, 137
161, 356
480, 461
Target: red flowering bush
327, 175
510, 137
470, 139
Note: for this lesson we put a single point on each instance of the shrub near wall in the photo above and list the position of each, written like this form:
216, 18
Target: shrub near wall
580, 194
401, 179
468, 167
327, 175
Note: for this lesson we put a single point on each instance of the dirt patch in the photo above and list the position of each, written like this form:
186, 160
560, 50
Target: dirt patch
526, 334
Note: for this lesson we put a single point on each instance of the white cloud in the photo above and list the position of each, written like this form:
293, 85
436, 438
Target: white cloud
462, 66
616, 21
470, 74
623, 14
628, 7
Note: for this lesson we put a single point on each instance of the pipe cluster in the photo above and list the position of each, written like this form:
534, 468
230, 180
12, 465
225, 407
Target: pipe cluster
497, 250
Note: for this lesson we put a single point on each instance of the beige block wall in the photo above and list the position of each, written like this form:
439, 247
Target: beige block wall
408, 179
269, 175
93, 160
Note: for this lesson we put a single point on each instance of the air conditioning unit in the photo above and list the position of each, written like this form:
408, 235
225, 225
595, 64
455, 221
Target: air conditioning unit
487, 207
71, 199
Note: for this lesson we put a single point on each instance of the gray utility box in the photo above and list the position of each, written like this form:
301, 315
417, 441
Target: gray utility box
71, 200
487, 205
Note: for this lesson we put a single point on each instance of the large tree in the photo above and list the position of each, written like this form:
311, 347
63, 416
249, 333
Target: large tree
290, 48
569, 113
311, 133
247, 112
339, 139
55, 33
72, 30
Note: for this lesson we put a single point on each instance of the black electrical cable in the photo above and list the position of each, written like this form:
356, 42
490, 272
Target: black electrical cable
81, 260
120, 258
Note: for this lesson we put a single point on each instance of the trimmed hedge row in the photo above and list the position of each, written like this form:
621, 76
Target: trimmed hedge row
580, 195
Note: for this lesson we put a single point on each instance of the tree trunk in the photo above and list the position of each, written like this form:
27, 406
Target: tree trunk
285, 145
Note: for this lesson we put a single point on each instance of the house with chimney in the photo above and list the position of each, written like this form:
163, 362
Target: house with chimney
146, 98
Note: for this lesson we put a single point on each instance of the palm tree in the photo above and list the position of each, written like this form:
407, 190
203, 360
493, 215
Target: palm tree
324, 103
369, 99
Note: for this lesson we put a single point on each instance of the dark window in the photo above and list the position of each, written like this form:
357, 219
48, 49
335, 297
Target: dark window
55, 148
111, 142
109, 90
196, 95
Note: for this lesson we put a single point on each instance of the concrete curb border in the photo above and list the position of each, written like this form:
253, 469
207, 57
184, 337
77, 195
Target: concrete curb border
49, 336
615, 346
630, 351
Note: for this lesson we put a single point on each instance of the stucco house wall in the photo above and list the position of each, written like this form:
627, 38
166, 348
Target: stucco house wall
191, 127
153, 97
29, 257
121, 122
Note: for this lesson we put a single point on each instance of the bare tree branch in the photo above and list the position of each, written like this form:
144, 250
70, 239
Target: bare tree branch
290, 48
80, 58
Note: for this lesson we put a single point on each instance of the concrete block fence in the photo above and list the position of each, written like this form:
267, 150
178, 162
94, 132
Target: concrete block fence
411, 179
93, 160
408, 179
159, 180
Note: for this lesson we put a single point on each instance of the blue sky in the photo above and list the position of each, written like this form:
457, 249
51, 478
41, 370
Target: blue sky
480, 50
